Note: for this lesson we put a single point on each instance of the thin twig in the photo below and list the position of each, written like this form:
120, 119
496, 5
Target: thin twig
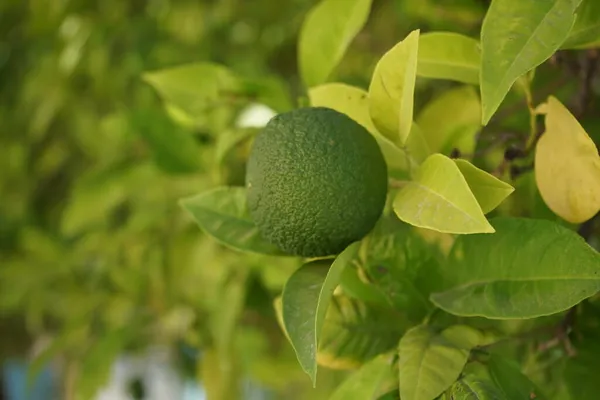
587, 72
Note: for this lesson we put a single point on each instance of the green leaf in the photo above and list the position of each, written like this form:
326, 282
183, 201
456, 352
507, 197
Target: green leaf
586, 31
269, 90
508, 377
451, 120
173, 147
391, 395
222, 214
430, 362
224, 320
194, 88
346, 99
581, 372
402, 266
439, 198
306, 296
71, 337
416, 145
353, 286
94, 197
516, 37
229, 140
98, 361
326, 33
391, 92
354, 102
528, 268
364, 383
471, 387
448, 55
488, 190
354, 332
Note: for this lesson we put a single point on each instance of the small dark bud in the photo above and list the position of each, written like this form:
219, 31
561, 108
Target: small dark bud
512, 153
455, 153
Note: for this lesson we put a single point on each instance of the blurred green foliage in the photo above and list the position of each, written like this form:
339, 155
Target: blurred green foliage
94, 250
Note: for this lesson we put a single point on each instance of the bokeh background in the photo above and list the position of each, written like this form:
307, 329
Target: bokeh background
108, 290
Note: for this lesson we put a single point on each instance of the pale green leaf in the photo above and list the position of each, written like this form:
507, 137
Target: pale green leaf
416, 145
326, 33
528, 268
471, 387
364, 383
93, 198
391, 92
194, 88
306, 297
354, 102
430, 362
516, 37
451, 120
354, 332
439, 198
346, 99
586, 31
488, 190
222, 213
449, 55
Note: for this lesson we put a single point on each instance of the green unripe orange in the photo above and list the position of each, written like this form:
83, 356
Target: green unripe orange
316, 181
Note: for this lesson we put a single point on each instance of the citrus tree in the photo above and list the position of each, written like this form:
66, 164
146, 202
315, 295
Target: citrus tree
479, 277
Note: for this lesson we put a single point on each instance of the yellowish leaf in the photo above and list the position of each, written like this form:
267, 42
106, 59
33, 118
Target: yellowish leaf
567, 166
391, 92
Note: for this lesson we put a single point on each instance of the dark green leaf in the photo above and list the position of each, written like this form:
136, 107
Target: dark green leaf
471, 387
527, 269
581, 372
402, 266
354, 286
516, 37
354, 332
508, 377
306, 297
222, 213
392, 395
173, 147
586, 31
